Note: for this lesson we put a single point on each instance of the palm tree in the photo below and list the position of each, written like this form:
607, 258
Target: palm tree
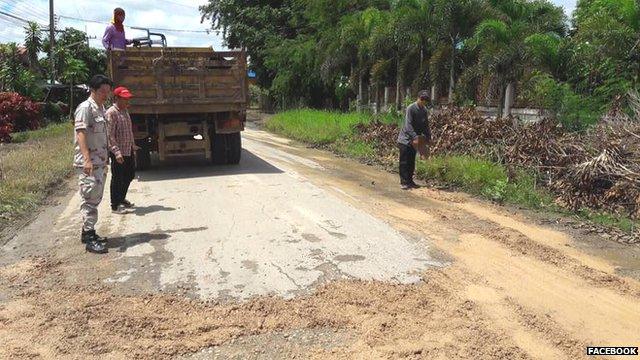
75, 70
34, 44
457, 21
521, 35
411, 24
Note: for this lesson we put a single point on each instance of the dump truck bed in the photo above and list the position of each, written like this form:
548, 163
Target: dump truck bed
181, 80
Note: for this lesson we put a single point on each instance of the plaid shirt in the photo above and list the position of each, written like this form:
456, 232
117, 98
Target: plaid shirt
121, 139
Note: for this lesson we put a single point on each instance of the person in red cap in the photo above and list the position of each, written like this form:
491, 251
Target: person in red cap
122, 149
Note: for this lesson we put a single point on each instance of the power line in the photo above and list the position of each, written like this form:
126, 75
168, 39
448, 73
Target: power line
131, 26
21, 11
13, 4
14, 17
179, 4
11, 21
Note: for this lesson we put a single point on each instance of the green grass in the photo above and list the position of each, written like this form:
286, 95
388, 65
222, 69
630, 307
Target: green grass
466, 172
31, 170
484, 178
47, 132
355, 148
314, 126
623, 223
524, 190
391, 118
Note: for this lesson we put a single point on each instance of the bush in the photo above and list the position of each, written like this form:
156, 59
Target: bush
52, 112
18, 112
6, 128
574, 111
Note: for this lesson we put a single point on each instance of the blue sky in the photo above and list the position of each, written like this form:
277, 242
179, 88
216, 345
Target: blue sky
169, 14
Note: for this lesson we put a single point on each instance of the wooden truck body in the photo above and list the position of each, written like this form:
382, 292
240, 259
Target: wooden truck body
186, 101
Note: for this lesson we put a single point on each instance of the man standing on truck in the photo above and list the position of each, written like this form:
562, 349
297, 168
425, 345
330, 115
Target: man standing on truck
114, 38
122, 149
414, 136
91, 158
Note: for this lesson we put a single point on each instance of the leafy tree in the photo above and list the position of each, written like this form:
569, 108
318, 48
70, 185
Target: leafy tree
324, 52
14, 76
75, 72
256, 25
605, 50
72, 44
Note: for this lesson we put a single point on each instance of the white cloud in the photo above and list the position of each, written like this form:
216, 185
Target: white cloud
166, 14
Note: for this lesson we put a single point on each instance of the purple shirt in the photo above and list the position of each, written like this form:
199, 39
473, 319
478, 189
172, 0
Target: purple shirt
114, 39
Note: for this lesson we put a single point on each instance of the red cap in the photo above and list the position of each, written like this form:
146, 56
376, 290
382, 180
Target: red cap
122, 92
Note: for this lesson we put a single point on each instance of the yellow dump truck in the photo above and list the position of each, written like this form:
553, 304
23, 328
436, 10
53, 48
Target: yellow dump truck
187, 101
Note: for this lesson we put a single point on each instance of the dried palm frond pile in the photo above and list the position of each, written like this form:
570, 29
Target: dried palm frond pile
597, 169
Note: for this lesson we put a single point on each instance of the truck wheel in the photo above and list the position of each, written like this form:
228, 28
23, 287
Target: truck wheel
234, 147
226, 149
219, 149
143, 158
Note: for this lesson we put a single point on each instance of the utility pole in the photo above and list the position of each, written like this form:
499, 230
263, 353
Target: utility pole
52, 40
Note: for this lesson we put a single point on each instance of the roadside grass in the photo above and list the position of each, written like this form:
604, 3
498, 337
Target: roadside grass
622, 223
480, 177
31, 170
354, 148
315, 126
484, 178
44, 133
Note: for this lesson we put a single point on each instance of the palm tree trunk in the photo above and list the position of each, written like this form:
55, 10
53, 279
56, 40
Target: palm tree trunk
434, 94
501, 100
508, 98
398, 84
71, 100
377, 98
452, 70
360, 91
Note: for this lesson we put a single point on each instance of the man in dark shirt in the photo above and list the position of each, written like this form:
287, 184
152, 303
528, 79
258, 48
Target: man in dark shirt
416, 124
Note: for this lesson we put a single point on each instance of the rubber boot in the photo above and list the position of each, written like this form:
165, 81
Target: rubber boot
96, 247
91, 236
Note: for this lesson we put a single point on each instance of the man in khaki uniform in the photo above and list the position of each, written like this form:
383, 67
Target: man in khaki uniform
91, 159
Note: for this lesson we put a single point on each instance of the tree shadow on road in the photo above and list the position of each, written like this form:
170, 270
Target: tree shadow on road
122, 243
195, 167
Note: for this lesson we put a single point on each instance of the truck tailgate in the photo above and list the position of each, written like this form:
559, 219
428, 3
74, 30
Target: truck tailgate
184, 80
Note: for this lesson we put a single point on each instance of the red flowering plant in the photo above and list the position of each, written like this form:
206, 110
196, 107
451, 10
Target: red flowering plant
17, 113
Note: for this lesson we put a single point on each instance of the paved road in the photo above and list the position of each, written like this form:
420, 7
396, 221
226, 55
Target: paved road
254, 229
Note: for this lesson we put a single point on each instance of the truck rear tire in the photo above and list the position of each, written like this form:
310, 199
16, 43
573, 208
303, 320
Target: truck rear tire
234, 142
218, 149
226, 149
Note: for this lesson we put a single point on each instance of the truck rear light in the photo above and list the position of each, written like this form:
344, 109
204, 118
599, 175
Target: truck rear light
230, 124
